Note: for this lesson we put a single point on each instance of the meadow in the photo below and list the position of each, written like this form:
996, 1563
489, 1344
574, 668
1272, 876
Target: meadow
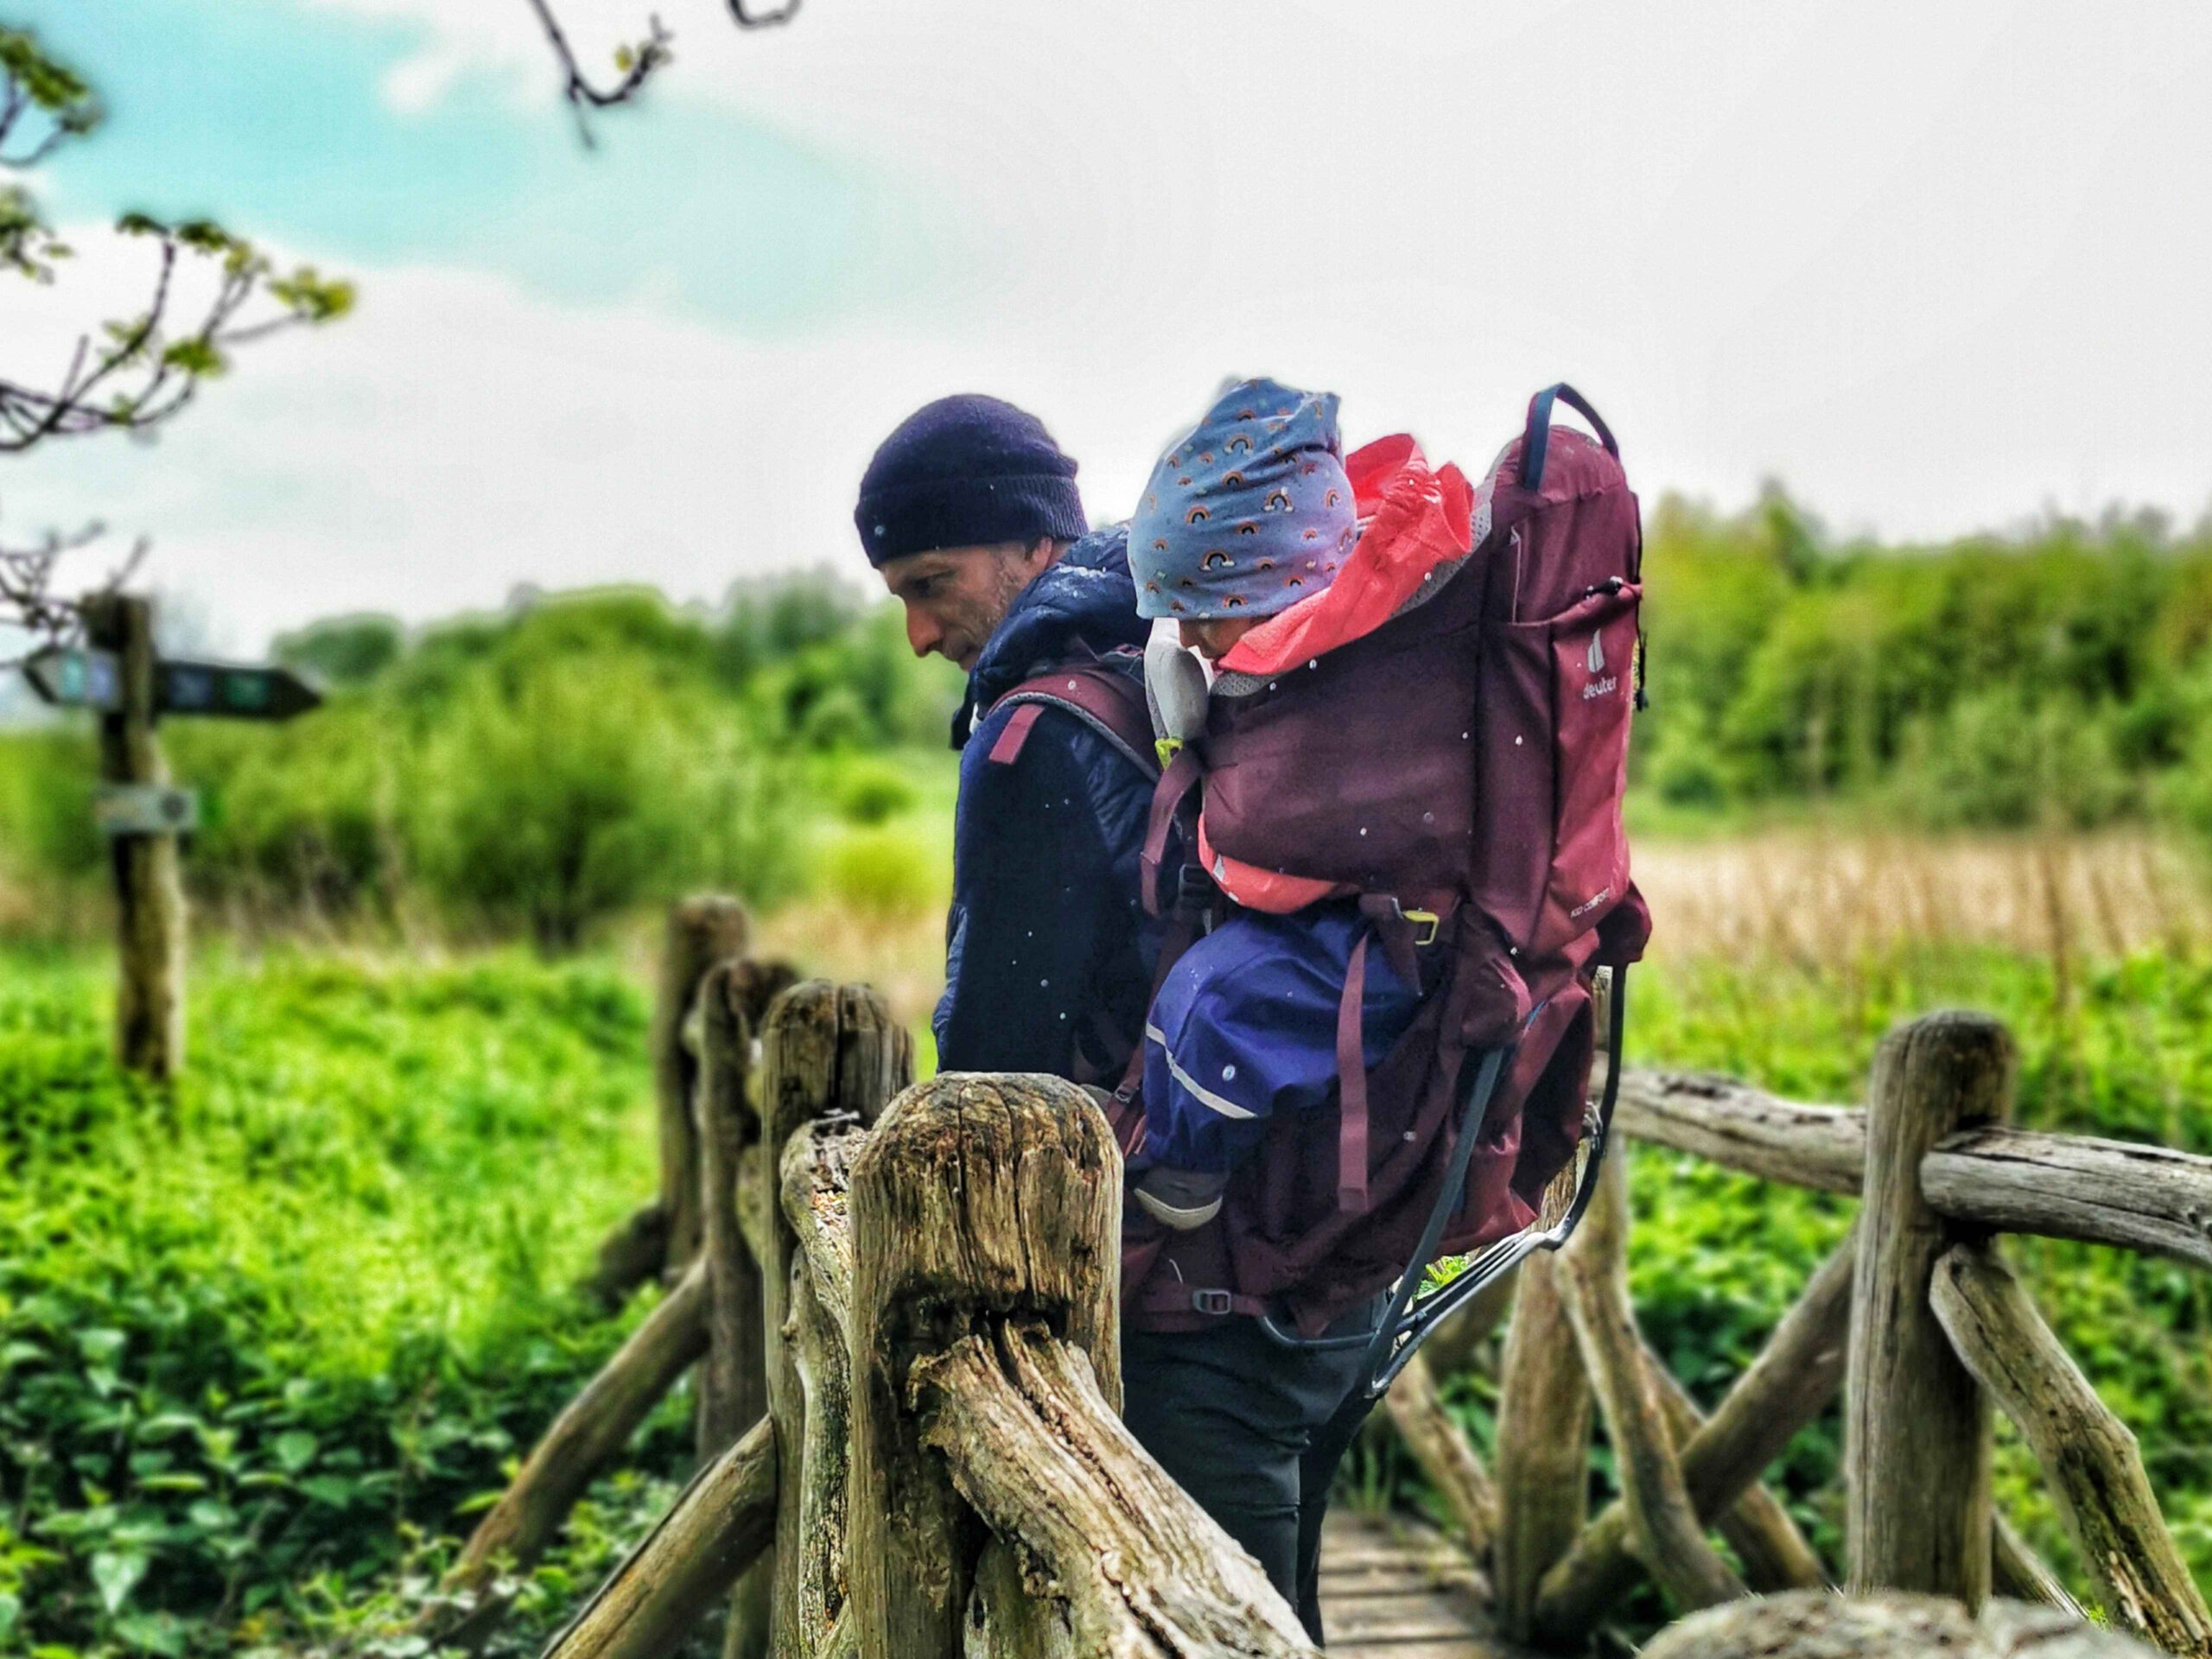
269, 1340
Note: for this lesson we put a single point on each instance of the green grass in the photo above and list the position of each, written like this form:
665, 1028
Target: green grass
257, 1329
266, 1341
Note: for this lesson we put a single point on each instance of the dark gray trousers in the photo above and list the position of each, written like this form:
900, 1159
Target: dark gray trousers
1254, 1431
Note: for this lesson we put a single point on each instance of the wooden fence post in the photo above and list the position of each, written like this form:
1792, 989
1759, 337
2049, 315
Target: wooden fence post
733, 1379
826, 1050
148, 882
702, 931
1662, 1521
1543, 1443
1917, 1440
976, 1196
2093, 1462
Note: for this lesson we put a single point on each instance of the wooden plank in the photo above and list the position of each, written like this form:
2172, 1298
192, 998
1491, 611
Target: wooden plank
1403, 1618
2140, 1197
1384, 1582
1393, 1587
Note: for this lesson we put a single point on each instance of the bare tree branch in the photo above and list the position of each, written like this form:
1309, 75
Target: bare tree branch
131, 374
30, 589
636, 63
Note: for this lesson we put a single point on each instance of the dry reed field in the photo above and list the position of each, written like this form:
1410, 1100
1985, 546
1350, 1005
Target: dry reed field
1808, 895
1802, 897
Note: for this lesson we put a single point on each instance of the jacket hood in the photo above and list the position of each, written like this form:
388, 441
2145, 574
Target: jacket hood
1416, 520
1085, 601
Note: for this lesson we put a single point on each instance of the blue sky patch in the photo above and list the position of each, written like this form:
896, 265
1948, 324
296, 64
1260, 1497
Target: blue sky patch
270, 119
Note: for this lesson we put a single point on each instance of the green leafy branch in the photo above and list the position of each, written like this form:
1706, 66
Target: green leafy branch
131, 373
44, 89
141, 373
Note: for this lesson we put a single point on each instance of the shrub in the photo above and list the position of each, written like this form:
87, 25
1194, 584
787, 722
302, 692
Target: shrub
881, 874
869, 792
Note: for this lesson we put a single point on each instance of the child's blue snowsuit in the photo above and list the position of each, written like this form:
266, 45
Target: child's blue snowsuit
1245, 1027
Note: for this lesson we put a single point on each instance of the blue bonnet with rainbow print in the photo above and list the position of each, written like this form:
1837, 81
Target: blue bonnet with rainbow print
1249, 513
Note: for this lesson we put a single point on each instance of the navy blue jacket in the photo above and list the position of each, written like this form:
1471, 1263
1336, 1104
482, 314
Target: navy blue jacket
1048, 952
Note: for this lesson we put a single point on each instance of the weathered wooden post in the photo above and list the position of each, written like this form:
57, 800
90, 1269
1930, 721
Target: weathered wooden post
1661, 1520
828, 1051
149, 882
733, 1382
977, 1197
2092, 1460
1544, 1411
1917, 1440
702, 931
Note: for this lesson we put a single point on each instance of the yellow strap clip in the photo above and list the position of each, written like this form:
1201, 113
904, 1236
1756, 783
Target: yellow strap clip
1427, 918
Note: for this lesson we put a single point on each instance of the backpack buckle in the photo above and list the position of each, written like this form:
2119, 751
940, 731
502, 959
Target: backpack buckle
1193, 886
1213, 1302
1426, 920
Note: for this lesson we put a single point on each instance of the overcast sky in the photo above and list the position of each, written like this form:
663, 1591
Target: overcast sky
1936, 267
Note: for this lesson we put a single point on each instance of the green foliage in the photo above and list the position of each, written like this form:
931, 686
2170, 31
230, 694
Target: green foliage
52, 86
883, 874
265, 1341
345, 651
2043, 681
46, 803
872, 792
538, 773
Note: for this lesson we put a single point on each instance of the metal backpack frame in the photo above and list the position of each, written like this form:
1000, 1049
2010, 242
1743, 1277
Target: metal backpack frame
1412, 1318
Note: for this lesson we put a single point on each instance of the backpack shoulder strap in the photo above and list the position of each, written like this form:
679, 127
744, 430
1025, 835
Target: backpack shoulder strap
1108, 701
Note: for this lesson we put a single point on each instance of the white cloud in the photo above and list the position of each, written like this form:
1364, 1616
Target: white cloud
1933, 289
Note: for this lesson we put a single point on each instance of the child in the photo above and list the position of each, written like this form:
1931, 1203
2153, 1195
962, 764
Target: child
1249, 515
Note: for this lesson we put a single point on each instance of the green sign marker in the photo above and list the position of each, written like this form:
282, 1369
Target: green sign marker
78, 677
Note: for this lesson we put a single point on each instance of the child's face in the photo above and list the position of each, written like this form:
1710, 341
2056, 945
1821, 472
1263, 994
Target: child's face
1213, 637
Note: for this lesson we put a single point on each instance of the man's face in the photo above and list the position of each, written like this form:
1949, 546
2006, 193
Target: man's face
955, 597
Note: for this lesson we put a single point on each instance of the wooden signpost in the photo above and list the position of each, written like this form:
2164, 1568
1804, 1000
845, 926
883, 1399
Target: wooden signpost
140, 811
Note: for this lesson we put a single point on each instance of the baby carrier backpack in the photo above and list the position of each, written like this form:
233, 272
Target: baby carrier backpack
1457, 767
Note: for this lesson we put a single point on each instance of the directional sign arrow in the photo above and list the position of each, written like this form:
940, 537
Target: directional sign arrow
76, 679
240, 692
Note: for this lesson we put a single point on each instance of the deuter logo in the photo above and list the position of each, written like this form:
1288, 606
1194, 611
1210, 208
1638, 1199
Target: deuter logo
1596, 657
1599, 687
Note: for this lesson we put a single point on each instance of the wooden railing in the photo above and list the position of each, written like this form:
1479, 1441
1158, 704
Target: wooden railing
1915, 1317
902, 1303
932, 1329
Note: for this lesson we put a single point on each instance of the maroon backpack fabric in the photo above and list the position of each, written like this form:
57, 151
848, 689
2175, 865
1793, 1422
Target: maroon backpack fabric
1467, 760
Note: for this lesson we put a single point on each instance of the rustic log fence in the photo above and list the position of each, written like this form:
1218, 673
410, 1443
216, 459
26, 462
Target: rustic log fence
902, 1301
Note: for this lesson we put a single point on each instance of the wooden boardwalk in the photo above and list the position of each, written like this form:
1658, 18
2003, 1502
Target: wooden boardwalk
1396, 1588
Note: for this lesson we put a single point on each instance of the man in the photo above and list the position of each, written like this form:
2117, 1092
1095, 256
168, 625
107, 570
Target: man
971, 514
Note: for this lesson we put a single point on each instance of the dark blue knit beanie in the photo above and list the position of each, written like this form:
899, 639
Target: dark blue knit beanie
965, 471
